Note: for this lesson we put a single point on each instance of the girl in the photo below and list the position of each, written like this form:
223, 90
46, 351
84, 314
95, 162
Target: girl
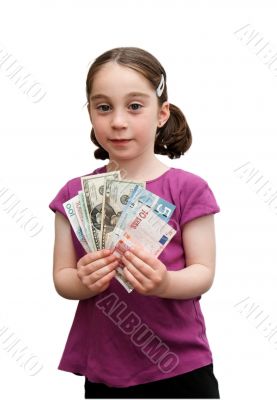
150, 343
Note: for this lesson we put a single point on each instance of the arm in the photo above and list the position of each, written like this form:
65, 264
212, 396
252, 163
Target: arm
200, 250
66, 281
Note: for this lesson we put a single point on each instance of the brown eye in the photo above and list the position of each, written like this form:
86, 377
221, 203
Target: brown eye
103, 107
135, 106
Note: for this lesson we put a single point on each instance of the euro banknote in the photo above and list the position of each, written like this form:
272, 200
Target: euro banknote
161, 207
148, 231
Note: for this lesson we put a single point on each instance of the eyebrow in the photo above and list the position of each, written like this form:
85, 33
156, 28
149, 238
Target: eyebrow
132, 94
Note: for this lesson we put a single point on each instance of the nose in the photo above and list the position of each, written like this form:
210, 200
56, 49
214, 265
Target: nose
119, 120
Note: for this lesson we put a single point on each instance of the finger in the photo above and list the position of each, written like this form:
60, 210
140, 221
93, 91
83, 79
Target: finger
91, 272
137, 271
100, 263
134, 282
102, 281
96, 255
143, 255
102, 268
139, 264
95, 276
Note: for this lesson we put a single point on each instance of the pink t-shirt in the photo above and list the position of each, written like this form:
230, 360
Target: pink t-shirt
124, 339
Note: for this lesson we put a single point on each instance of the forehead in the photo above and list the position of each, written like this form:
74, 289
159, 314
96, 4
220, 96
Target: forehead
114, 78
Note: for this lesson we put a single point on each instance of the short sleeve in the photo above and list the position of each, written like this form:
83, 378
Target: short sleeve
57, 203
201, 201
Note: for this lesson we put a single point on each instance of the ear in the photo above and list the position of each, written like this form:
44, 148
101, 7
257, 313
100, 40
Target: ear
164, 113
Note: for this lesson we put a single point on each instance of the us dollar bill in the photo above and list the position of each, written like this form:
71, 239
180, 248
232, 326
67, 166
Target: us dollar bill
117, 194
93, 187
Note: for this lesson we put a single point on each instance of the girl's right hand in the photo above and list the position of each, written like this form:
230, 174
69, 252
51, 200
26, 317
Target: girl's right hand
96, 269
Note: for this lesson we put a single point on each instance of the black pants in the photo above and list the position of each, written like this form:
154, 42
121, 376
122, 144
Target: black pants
199, 383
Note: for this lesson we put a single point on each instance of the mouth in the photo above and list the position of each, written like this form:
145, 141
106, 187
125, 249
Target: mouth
120, 141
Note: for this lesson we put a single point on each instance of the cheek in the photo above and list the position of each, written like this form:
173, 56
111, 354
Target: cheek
151, 121
100, 137
146, 129
144, 122
100, 127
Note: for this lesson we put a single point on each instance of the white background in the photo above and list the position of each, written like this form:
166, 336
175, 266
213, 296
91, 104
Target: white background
228, 95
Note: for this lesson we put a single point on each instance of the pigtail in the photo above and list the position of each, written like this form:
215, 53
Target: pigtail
174, 138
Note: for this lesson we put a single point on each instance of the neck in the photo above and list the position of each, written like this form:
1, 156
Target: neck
132, 169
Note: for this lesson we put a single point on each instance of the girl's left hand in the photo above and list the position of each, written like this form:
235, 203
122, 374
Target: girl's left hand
145, 272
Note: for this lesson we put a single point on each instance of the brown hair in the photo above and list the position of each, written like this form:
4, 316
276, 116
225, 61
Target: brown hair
174, 137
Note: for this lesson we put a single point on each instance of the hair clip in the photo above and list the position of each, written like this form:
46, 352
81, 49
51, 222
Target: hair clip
160, 88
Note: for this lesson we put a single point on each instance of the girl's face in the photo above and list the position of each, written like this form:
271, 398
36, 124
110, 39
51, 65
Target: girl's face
124, 112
